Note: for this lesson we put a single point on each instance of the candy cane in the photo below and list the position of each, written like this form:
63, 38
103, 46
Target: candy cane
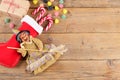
43, 11
49, 18
49, 24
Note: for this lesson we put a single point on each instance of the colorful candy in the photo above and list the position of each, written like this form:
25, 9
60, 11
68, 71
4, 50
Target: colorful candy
35, 2
49, 3
56, 21
50, 7
7, 20
61, 1
63, 16
65, 11
61, 6
12, 25
56, 13
56, 8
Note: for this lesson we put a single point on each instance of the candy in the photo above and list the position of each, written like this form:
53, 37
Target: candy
43, 11
7, 20
56, 21
61, 1
65, 11
63, 16
56, 14
50, 7
49, 3
56, 8
12, 25
35, 2
45, 1
61, 6
50, 21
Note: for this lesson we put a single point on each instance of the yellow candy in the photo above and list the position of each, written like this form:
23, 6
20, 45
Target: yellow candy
49, 3
56, 8
65, 11
57, 21
35, 2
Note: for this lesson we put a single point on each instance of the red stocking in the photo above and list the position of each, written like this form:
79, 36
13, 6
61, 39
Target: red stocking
10, 57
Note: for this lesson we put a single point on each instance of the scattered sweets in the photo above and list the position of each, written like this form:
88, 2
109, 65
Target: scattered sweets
61, 6
49, 3
65, 11
56, 8
56, 21
35, 2
59, 10
7, 20
12, 25
63, 16
56, 13
61, 1
50, 7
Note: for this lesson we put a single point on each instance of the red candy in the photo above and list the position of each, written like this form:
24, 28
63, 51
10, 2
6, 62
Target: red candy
12, 25
61, 6
56, 14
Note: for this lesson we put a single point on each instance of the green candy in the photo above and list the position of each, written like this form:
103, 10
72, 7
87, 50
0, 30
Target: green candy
7, 20
63, 16
61, 1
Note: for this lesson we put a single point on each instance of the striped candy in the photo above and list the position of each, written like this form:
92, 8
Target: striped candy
49, 18
43, 11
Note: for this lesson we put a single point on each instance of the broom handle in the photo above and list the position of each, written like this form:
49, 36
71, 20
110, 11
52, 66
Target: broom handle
26, 49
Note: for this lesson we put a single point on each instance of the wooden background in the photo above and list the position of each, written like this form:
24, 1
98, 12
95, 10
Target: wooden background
91, 33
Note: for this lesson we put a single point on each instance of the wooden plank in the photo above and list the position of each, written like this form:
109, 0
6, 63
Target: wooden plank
87, 45
60, 70
80, 20
87, 3
85, 78
83, 45
65, 70
94, 20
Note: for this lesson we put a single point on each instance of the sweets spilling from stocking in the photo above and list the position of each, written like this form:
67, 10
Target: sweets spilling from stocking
41, 18
23, 43
58, 9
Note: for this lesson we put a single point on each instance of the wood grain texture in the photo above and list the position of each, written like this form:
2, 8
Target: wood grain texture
86, 3
64, 70
92, 35
83, 46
